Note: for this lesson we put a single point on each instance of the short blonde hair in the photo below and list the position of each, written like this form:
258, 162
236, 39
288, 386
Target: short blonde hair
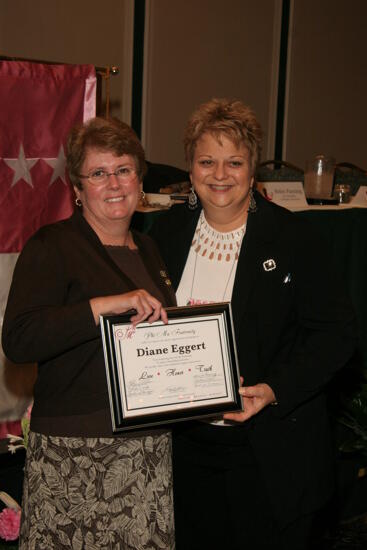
227, 117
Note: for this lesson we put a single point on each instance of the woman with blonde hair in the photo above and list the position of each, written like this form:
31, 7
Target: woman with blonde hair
258, 478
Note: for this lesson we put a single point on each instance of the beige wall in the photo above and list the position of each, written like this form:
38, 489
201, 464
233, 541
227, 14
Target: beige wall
327, 109
73, 31
197, 49
200, 49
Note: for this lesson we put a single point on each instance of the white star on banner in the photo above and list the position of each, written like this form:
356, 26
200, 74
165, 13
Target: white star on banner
21, 167
58, 166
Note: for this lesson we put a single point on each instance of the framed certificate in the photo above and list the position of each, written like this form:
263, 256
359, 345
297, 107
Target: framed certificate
159, 373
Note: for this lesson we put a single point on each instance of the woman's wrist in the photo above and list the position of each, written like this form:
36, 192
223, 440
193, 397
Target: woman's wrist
100, 306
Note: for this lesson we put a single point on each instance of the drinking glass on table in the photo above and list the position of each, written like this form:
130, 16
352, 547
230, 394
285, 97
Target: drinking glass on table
342, 193
319, 177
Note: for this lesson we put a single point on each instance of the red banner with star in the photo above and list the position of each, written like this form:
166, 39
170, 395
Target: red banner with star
39, 104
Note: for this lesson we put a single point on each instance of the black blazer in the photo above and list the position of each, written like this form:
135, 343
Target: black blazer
294, 329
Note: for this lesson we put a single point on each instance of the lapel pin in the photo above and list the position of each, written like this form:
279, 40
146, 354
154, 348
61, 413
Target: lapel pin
269, 265
164, 276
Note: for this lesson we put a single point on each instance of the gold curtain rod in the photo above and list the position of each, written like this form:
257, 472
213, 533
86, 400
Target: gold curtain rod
103, 71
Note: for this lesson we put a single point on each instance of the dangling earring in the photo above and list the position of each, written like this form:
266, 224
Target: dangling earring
78, 202
142, 197
252, 205
193, 199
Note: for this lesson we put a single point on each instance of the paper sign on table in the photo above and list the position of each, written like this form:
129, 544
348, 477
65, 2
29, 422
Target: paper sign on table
360, 198
289, 194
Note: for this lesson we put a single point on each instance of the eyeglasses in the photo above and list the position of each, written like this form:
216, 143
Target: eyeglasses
124, 174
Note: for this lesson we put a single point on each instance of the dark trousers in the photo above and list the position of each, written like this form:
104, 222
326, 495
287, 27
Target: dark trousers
220, 499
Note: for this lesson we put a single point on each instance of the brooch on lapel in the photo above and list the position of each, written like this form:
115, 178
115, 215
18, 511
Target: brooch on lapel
269, 265
164, 276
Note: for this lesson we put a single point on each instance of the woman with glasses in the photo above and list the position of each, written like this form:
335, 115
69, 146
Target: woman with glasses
86, 487
254, 479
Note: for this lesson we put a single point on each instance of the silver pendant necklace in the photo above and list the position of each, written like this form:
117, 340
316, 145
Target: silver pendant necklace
235, 258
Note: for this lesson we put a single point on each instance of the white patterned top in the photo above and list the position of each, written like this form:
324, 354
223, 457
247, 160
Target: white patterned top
211, 265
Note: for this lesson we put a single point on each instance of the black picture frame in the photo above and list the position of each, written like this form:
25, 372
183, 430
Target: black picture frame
194, 322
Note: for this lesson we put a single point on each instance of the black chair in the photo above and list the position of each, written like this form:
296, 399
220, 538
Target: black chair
278, 170
162, 175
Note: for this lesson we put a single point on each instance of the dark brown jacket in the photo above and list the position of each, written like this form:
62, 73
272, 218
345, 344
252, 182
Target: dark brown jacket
48, 319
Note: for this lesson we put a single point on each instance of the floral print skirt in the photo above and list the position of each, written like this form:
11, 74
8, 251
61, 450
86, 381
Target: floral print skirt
98, 493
